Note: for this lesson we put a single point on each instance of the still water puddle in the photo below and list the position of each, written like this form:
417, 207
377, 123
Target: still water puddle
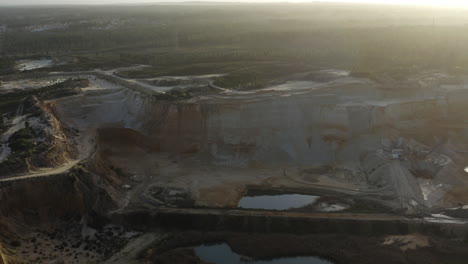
277, 202
27, 65
222, 254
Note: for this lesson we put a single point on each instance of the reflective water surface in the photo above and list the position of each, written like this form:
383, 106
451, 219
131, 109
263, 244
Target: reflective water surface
222, 254
277, 202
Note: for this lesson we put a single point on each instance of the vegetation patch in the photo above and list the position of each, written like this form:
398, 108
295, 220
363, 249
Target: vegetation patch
27, 142
7, 66
22, 145
174, 95
12, 100
260, 76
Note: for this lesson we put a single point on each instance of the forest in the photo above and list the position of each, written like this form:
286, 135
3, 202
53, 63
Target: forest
250, 41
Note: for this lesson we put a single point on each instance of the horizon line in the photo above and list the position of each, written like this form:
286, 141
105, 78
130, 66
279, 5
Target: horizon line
405, 3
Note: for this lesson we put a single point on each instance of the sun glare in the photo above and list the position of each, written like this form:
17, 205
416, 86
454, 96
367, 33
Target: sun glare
448, 3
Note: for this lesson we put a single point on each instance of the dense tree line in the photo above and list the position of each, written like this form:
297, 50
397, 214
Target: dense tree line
162, 35
6, 65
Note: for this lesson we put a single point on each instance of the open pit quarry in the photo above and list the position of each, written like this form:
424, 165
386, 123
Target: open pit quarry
382, 160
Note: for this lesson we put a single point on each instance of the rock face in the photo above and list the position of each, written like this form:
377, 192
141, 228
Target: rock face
43, 203
342, 127
311, 128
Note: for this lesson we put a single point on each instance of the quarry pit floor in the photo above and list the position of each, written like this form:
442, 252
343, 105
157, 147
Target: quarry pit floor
337, 162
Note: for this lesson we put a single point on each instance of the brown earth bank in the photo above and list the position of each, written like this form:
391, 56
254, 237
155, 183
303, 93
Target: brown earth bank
337, 248
59, 217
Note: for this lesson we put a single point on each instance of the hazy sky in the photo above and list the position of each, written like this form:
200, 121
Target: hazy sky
418, 2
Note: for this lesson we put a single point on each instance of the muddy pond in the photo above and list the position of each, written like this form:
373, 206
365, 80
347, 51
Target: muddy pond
289, 201
222, 254
277, 202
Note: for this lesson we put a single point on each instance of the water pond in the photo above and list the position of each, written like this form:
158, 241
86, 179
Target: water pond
222, 254
277, 202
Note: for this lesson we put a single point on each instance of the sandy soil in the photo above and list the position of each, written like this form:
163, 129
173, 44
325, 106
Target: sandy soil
28, 84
